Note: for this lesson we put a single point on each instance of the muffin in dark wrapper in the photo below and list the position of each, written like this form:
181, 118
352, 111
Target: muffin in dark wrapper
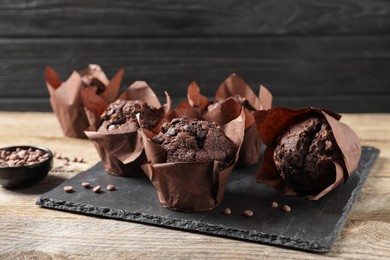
309, 152
117, 135
69, 99
190, 160
234, 91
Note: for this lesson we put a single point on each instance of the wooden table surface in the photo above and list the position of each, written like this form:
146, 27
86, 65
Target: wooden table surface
28, 231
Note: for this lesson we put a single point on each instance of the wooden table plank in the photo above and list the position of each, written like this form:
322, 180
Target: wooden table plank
28, 231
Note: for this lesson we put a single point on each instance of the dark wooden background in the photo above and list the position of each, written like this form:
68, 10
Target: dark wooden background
333, 54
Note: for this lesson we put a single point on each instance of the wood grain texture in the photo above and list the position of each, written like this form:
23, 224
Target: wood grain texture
38, 18
334, 72
28, 231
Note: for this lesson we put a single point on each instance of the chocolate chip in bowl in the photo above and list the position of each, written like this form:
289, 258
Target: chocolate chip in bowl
23, 166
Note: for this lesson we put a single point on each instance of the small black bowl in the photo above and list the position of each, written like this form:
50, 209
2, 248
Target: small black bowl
28, 175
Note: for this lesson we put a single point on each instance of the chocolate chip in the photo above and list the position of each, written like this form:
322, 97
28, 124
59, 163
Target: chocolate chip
97, 189
158, 140
110, 187
20, 163
175, 120
201, 134
111, 127
171, 131
22, 154
86, 185
68, 189
227, 211
188, 128
14, 156
21, 157
11, 163
274, 205
286, 208
248, 213
110, 111
66, 161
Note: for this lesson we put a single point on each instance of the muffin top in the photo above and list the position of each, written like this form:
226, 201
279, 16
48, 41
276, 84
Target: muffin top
192, 140
304, 156
120, 116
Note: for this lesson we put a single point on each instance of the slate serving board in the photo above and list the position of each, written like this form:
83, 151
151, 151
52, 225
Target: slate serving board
311, 225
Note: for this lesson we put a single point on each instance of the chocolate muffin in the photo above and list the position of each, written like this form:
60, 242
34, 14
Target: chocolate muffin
304, 155
120, 116
239, 99
192, 140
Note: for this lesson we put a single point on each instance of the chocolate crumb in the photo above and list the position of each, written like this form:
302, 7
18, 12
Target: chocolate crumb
110, 187
286, 208
274, 205
248, 213
68, 189
227, 211
97, 189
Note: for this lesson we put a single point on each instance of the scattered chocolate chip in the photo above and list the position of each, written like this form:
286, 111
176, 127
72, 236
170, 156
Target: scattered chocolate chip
286, 208
59, 156
66, 161
227, 211
86, 185
274, 205
75, 159
68, 189
81, 159
248, 213
97, 189
110, 187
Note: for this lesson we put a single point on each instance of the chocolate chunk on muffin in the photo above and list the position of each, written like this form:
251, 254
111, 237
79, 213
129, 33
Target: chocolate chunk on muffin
304, 155
120, 116
192, 140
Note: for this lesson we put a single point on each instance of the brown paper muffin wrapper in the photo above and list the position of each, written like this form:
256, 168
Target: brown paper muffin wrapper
232, 86
67, 98
271, 123
123, 153
190, 187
